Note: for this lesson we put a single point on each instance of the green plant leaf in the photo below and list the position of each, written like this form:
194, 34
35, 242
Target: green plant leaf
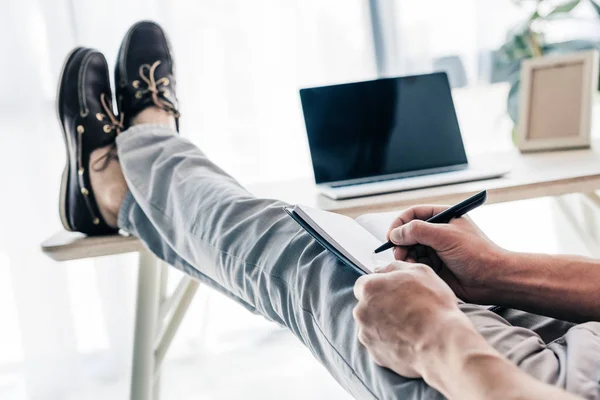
534, 16
565, 7
596, 6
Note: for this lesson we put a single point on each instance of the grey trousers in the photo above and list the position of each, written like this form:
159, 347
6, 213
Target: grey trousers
198, 219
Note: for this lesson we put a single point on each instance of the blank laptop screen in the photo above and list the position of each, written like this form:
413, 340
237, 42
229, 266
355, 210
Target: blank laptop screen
380, 127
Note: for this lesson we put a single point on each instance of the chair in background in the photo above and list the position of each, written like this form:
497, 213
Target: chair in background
455, 69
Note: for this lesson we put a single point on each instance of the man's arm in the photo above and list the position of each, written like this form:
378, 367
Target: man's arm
464, 366
565, 287
429, 336
481, 272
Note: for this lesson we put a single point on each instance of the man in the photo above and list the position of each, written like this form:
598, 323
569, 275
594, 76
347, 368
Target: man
135, 173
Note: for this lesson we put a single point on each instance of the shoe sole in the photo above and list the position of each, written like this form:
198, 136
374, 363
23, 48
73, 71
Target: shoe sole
62, 203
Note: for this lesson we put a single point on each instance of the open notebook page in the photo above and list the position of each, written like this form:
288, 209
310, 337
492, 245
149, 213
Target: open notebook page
347, 236
378, 223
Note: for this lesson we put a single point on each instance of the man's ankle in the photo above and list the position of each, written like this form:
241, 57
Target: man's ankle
155, 115
108, 184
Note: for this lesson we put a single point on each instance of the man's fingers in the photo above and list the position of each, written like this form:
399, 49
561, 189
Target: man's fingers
368, 283
421, 250
400, 253
417, 212
411, 254
419, 232
395, 266
359, 286
434, 260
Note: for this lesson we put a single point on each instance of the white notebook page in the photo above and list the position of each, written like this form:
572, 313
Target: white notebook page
378, 223
347, 236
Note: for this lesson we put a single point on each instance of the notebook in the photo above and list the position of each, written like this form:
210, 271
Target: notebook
350, 240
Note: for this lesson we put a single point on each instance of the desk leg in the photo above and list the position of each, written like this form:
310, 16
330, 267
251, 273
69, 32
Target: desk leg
172, 313
157, 320
146, 327
164, 280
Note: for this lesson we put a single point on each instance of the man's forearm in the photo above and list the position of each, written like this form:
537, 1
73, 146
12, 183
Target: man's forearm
564, 287
462, 365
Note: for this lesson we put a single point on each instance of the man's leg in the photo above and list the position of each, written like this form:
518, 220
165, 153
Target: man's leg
197, 218
549, 329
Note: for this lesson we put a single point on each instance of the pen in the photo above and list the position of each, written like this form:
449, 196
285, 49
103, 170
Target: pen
445, 216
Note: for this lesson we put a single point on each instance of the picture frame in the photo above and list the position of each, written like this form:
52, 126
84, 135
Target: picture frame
555, 101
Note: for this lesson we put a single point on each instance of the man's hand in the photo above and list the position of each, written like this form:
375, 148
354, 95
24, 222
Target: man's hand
409, 321
401, 311
458, 251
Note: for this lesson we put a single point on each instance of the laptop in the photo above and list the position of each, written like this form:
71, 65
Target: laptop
386, 135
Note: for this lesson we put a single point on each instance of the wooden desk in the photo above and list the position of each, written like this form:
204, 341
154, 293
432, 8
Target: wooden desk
65, 246
158, 317
531, 176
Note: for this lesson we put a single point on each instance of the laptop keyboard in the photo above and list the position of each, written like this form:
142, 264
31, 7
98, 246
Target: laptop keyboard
391, 177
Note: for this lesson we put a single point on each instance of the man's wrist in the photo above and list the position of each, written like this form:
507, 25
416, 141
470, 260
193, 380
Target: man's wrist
444, 344
514, 273
508, 268
505, 269
446, 360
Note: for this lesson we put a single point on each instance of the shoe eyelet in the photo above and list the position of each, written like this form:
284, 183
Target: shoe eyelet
166, 92
84, 191
106, 128
135, 84
84, 113
96, 221
138, 95
99, 116
80, 129
166, 81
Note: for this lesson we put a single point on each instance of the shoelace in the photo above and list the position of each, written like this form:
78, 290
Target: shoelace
155, 87
115, 124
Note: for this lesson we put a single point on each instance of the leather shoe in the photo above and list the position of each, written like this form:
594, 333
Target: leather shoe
144, 73
88, 123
